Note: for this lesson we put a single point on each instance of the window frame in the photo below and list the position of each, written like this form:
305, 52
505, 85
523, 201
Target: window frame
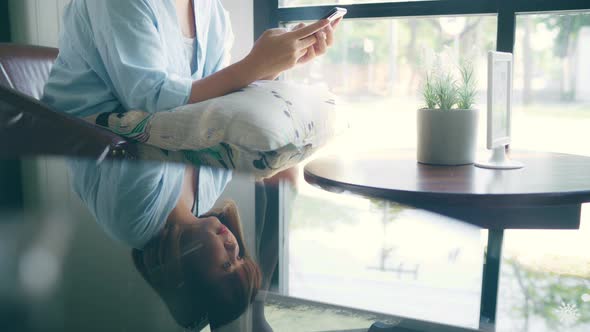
268, 14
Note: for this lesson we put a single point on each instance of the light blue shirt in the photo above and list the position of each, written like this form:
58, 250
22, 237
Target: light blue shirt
118, 55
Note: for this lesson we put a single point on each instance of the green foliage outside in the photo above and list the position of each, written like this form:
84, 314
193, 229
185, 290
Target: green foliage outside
566, 29
544, 293
549, 75
409, 36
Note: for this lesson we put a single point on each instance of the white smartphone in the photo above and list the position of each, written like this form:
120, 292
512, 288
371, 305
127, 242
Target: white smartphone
335, 13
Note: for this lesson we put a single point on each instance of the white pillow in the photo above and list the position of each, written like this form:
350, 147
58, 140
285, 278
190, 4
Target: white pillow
263, 128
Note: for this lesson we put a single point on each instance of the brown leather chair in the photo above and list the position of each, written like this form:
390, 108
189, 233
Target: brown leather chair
29, 128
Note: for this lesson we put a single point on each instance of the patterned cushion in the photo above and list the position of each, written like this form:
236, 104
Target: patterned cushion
261, 129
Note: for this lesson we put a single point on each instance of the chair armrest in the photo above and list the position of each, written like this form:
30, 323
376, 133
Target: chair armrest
30, 128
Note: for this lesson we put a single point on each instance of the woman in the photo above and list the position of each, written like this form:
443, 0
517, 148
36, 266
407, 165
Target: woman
156, 55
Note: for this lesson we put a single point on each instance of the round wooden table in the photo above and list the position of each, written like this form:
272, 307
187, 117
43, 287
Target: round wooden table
546, 194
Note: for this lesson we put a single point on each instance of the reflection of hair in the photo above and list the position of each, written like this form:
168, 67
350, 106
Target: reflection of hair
228, 298
170, 268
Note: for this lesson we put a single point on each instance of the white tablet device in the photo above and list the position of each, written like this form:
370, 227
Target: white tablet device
499, 110
499, 98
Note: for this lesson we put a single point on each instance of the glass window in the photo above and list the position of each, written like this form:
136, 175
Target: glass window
376, 68
382, 257
545, 282
552, 83
368, 254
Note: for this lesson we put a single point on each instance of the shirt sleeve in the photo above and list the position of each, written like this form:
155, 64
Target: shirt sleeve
131, 49
130, 201
228, 41
225, 35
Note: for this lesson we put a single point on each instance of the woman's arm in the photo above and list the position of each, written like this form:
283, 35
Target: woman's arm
274, 52
231, 78
325, 39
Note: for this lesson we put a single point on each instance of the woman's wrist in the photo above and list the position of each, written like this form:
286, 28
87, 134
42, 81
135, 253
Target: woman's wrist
271, 77
258, 70
253, 69
244, 73
231, 78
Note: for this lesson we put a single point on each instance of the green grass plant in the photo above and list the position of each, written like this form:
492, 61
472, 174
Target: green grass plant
467, 91
429, 92
441, 90
446, 90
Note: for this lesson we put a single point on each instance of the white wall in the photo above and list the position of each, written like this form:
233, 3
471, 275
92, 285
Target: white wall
38, 22
242, 17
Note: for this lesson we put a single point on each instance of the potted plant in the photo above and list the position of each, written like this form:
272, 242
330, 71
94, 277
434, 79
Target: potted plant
447, 126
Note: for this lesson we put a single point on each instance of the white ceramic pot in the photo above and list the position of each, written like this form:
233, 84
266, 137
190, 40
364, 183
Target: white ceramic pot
447, 137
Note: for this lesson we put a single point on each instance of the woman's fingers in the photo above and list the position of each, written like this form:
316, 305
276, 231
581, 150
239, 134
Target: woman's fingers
298, 26
307, 55
335, 23
315, 45
308, 30
300, 45
321, 46
304, 43
274, 32
311, 53
329, 32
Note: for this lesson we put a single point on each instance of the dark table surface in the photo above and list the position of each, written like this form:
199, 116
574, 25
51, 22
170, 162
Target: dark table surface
546, 194
547, 178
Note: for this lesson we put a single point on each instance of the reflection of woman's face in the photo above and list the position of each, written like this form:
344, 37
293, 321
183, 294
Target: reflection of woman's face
196, 266
220, 252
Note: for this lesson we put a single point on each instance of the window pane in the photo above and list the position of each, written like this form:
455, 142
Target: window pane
552, 83
302, 3
376, 68
545, 284
384, 258
363, 253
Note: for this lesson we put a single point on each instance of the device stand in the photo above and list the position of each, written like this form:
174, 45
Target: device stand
499, 160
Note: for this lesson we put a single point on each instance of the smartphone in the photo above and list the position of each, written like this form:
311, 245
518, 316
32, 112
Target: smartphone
335, 13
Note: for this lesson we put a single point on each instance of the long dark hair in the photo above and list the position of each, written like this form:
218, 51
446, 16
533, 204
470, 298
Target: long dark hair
167, 265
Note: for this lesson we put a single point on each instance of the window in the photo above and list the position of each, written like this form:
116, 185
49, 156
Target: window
552, 82
375, 68
545, 277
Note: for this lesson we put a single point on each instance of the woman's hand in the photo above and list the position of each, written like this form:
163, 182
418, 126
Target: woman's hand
325, 39
277, 50
274, 52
